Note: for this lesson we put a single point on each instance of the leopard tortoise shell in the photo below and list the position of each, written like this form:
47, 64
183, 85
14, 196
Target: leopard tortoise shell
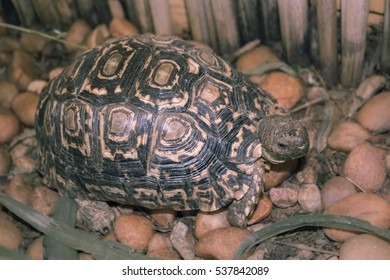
157, 122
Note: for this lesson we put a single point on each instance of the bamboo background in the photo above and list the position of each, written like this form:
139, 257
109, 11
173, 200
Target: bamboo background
331, 34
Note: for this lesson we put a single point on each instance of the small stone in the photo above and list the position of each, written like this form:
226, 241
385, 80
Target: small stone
375, 114
207, 221
7, 93
309, 198
109, 236
9, 125
335, 189
257, 255
262, 210
55, 72
365, 247
221, 243
346, 135
32, 43
77, 34
24, 164
165, 254
85, 257
98, 36
183, 240
120, 27
134, 231
285, 88
278, 173
21, 72
35, 250
366, 206
5, 162
19, 190
284, 197
160, 247
25, 105
19, 150
163, 217
10, 234
36, 86
365, 166
256, 57
44, 200
308, 175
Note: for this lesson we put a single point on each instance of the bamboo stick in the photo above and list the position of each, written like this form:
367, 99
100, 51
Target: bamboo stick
354, 16
161, 16
87, 11
327, 39
213, 40
386, 40
25, 11
226, 25
248, 20
270, 27
46, 11
143, 15
293, 17
198, 21
179, 18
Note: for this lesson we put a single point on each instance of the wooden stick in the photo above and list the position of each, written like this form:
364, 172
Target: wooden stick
226, 25
354, 16
248, 20
386, 39
213, 40
327, 37
270, 20
161, 17
198, 21
144, 15
25, 11
293, 17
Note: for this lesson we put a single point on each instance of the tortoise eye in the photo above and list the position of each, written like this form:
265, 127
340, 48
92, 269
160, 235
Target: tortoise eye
111, 65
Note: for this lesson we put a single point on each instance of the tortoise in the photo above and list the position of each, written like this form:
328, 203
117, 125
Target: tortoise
158, 122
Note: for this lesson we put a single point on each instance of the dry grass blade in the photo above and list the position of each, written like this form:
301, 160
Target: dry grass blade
71, 237
325, 127
271, 66
311, 220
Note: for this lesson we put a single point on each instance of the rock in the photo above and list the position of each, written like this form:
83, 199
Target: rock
21, 72
134, 231
24, 164
163, 217
183, 240
36, 86
284, 197
366, 206
335, 189
308, 175
7, 93
44, 200
5, 162
10, 234
161, 247
165, 254
120, 27
365, 166
365, 247
19, 190
85, 257
25, 105
207, 221
262, 210
278, 173
375, 114
9, 125
77, 35
221, 243
257, 255
98, 36
256, 57
55, 72
346, 135
35, 250
309, 198
285, 88
32, 43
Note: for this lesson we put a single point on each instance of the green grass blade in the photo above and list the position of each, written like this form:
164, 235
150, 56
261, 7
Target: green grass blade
310, 220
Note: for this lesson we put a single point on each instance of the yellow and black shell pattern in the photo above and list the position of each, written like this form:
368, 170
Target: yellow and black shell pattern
152, 121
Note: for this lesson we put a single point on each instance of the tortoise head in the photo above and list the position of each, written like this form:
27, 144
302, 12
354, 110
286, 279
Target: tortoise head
282, 138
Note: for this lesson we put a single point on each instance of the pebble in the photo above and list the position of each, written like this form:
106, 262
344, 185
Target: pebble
346, 135
163, 218
284, 197
55, 72
7, 93
256, 57
366, 206
221, 243
5, 162
98, 36
32, 43
10, 234
44, 200
183, 240
9, 125
24, 164
365, 166
308, 175
25, 105
285, 88
375, 114
120, 27
208, 221
19, 190
278, 173
365, 247
165, 254
35, 250
262, 210
21, 71
335, 189
309, 198
160, 247
36, 86
77, 34
134, 231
